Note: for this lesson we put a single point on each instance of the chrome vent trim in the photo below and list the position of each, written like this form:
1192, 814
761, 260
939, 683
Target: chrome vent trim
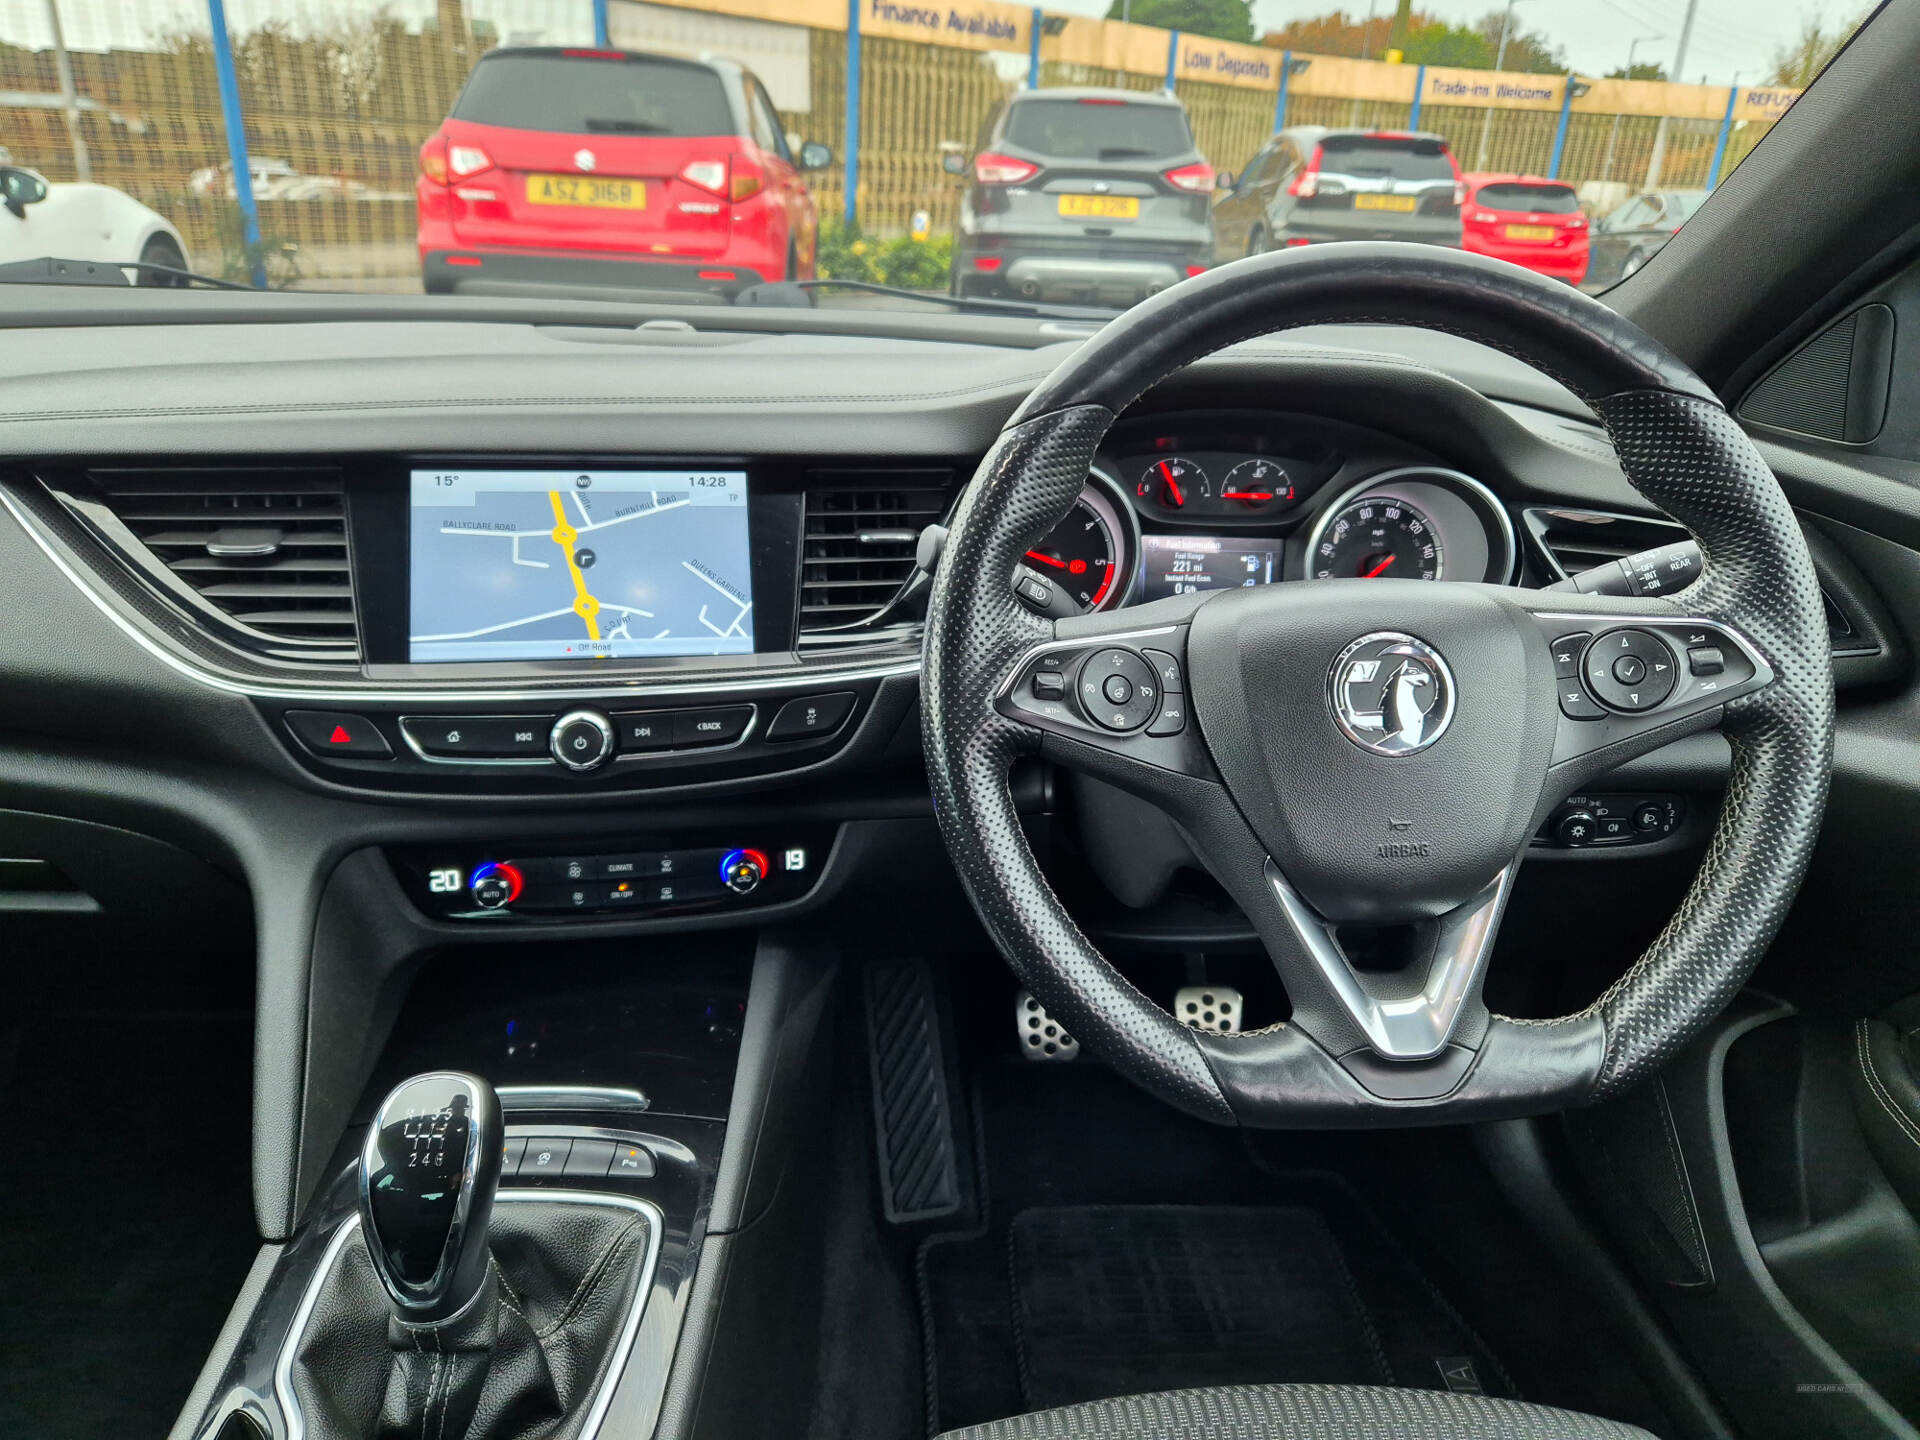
862, 529
258, 556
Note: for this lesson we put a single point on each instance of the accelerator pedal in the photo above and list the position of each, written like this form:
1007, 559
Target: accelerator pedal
1209, 1007
1041, 1036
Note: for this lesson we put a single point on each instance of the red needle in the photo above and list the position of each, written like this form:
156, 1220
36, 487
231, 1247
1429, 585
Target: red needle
1378, 568
1046, 560
1172, 485
1246, 494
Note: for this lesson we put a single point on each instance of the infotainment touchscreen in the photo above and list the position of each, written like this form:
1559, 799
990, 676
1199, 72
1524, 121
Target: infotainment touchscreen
578, 564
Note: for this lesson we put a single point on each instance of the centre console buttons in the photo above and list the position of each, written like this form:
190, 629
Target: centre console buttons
811, 715
477, 737
721, 725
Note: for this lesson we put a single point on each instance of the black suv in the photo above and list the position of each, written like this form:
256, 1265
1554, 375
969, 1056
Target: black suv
1311, 184
1083, 196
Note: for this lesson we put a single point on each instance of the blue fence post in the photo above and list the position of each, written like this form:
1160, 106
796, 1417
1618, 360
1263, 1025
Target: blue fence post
600, 24
1560, 131
236, 139
1419, 91
1720, 145
851, 162
1033, 51
1173, 55
1280, 96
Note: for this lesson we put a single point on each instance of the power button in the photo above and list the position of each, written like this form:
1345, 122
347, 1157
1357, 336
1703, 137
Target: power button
581, 739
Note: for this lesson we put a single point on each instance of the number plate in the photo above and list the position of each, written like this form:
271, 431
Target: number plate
587, 191
1531, 232
1100, 207
1405, 204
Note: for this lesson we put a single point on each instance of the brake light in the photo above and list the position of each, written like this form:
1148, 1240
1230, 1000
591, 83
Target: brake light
1196, 178
992, 169
1099, 100
1483, 217
1193, 270
1297, 241
710, 175
594, 54
986, 262
1306, 184
433, 159
1578, 222
465, 160
746, 182
1459, 192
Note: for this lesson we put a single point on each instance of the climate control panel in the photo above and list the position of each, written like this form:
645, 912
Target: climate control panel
536, 883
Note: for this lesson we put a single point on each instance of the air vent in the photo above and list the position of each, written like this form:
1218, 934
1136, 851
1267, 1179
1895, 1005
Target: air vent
261, 554
1576, 540
862, 530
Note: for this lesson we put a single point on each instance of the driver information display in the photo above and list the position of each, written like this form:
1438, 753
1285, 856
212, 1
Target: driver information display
559, 565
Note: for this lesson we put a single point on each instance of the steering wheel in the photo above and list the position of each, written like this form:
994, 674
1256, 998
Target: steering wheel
1348, 753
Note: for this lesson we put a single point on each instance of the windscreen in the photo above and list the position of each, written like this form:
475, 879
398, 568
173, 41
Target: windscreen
1539, 199
1382, 157
581, 95
1104, 130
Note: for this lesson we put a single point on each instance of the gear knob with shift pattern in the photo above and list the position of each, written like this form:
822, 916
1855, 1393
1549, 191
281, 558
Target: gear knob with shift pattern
427, 1181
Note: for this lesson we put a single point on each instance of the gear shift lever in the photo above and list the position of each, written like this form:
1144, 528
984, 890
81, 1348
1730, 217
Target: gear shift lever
427, 1180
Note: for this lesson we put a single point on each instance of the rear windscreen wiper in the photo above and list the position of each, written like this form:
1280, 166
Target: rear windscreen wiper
1123, 152
48, 270
601, 126
800, 293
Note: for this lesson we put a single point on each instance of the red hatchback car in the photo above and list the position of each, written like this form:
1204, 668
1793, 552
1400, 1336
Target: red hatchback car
1529, 220
568, 168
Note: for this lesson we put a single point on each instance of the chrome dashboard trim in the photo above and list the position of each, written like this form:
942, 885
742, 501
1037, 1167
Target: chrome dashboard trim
369, 692
1478, 489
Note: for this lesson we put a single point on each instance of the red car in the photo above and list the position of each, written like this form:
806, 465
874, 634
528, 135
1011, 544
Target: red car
1529, 220
568, 168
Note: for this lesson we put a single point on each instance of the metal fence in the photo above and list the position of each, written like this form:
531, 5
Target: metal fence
332, 100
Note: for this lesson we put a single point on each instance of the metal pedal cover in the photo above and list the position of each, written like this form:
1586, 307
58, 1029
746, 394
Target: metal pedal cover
1208, 1007
1041, 1036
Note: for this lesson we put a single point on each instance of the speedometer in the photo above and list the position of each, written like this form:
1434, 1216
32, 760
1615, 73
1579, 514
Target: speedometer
1378, 537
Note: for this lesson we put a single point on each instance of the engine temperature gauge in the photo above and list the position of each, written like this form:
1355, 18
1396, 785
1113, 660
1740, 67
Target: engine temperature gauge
1256, 485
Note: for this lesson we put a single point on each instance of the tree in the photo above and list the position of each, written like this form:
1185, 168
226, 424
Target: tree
1222, 19
1642, 70
1807, 54
1527, 50
1427, 40
1335, 33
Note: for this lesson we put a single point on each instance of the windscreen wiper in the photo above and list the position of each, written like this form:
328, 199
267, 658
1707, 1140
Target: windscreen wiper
600, 126
799, 293
47, 270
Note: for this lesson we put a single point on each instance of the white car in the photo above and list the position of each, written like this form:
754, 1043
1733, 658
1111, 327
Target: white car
75, 221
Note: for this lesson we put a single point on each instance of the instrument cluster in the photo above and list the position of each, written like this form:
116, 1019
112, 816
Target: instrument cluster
1174, 506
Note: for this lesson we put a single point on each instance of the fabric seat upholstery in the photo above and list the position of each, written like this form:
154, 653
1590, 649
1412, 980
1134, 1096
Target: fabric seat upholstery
1302, 1412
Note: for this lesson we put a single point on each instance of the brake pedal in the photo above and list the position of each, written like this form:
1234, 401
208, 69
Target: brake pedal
1208, 1007
1041, 1036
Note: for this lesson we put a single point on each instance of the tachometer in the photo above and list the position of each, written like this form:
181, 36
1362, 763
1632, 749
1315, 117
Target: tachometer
1378, 537
1081, 554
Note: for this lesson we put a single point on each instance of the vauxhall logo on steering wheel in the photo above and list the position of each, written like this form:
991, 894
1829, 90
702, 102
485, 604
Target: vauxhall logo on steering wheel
1390, 693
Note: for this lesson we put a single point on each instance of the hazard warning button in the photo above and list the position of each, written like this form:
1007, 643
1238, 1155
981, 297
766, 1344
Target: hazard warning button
330, 732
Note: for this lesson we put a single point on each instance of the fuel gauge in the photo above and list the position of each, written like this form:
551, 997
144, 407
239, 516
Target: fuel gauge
1255, 485
1174, 484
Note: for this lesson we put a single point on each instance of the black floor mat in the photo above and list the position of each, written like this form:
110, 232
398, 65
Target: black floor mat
127, 1217
1109, 1299
1055, 1140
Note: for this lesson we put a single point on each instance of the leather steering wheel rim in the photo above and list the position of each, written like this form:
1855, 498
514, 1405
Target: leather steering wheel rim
1680, 450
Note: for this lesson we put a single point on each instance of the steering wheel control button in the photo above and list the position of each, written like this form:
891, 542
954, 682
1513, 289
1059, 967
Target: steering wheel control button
1391, 693
333, 732
1167, 667
1049, 685
1577, 828
645, 730
811, 715
1172, 718
1706, 660
1566, 655
582, 740
1631, 670
719, 726
1576, 704
1119, 690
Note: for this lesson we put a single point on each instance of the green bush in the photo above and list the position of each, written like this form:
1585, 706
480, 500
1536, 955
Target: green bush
851, 254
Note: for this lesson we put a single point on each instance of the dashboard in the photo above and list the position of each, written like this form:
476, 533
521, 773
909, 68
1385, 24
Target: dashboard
1204, 501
